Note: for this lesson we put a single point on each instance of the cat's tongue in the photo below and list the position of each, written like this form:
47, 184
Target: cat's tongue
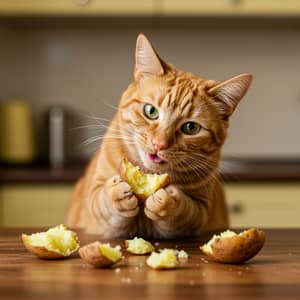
155, 158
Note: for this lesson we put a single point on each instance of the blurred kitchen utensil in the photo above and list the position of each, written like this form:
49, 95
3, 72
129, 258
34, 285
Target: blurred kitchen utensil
57, 136
17, 144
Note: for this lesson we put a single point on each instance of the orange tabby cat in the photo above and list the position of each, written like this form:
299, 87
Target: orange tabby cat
169, 121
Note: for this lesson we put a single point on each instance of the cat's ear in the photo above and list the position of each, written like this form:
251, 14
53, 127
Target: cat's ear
229, 93
147, 61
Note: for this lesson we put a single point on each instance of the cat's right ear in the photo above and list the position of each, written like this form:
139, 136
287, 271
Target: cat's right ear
147, 61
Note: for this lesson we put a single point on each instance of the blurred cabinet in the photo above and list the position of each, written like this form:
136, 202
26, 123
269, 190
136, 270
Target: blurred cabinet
76, 7
150, 7
265, 205
230, 7
33, 205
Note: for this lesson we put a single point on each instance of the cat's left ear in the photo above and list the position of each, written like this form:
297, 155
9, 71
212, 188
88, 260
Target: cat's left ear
229, 93
147, 61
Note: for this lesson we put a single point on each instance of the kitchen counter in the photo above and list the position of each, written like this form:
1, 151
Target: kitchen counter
232, 170
273, 274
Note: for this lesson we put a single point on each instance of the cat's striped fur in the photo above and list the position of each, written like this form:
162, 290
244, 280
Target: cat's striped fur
194, 202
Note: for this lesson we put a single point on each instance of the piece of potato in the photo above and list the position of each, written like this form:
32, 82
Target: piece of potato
100, 255
143, 184
232, 248
165, 259
182, 255
138, 246
55, 243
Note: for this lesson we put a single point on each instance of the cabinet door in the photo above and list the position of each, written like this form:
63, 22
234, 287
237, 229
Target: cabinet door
33, 205
264, 205
76, 7
230, 7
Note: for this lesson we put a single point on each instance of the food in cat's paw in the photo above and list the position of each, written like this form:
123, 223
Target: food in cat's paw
100, 255
55, 243
232, 248
138, 246
143, 184
165, 259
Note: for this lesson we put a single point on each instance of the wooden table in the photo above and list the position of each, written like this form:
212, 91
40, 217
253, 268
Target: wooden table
273, 274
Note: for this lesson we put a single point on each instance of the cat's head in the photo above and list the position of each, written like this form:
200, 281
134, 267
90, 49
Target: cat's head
174, 121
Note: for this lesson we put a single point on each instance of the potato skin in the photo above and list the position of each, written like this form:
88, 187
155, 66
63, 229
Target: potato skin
92, 255
141, 197
41, 252
239, 248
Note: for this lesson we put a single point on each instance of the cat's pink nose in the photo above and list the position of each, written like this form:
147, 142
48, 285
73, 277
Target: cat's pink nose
159, 145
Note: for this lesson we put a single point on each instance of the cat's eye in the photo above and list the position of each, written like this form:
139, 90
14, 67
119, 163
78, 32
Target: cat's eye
150, 112
190, 128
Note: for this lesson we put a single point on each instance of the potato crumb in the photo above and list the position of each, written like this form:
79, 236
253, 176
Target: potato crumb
182, 255
138, 246
126, 280
166, 259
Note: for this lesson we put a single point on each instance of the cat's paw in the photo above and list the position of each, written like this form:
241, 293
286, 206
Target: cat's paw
121, 197
163, 204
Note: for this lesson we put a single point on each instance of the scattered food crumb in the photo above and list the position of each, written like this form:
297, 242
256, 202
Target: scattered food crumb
192, 282
203, 274
240, 273
136, 268
182, 255
117, 270
126, 280
156, 243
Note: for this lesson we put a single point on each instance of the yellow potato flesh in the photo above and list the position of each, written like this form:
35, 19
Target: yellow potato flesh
57, 239
226, 234
166, 259
141, 183
139, 246
112, 253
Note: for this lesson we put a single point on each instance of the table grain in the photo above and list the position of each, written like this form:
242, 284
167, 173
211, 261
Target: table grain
273, 274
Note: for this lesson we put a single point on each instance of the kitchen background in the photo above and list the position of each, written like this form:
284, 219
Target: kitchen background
69, 61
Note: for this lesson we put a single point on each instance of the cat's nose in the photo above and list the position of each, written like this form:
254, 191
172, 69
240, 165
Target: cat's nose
159, 145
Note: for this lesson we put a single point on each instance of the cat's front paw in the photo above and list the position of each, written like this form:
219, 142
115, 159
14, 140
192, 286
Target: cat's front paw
163, 204
121, 197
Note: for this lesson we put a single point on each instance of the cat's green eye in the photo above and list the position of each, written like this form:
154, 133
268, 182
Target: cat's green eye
190, 128
150, 112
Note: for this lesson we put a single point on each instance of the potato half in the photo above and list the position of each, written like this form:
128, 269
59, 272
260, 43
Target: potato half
165, 259
100, 255
55, 243
143, 184
232, 248
138, 246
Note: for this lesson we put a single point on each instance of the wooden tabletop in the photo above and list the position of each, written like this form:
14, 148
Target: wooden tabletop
273, 274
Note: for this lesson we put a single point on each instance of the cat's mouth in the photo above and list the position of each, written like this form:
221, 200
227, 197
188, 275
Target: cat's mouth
155, 158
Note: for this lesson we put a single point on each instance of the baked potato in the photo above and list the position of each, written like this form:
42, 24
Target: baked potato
143, 184
232, 248
100, 255
56, 243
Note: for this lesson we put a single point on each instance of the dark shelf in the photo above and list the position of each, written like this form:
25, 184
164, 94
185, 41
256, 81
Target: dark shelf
232, 170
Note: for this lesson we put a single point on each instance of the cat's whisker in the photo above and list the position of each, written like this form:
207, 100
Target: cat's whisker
102, 137
209, 169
